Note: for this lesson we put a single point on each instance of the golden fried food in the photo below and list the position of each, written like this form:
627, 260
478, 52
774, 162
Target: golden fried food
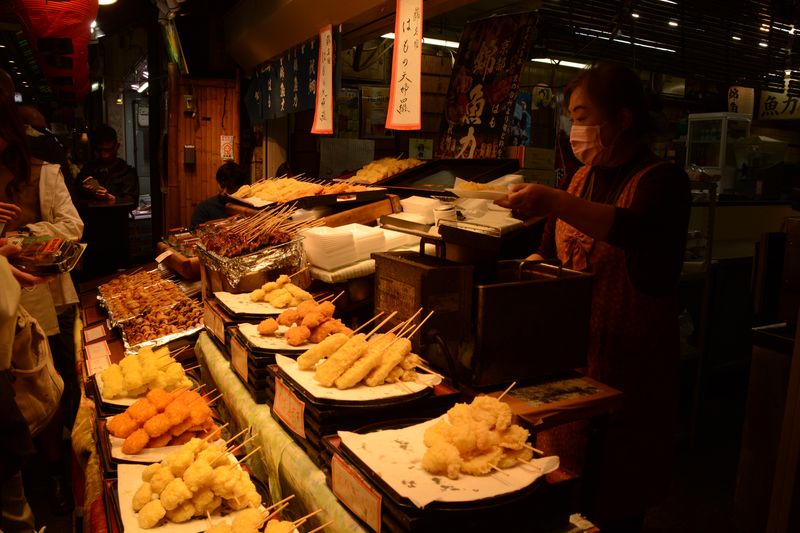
182, 513
306, 307
313, 319
288, 317
326, 308
175, 493
392, 357
268, 326
160, 441
135, 442
442, 458
160, 479
279, 526
327, 328
199, 413
151, 514
158, 425
341, 360
370, 360
198, 475
183, 438
177, 412
122, 425
142, 410
159, 398
142, 496
297, 335
325, 348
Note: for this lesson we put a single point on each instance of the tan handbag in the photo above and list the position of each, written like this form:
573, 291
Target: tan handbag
37, 384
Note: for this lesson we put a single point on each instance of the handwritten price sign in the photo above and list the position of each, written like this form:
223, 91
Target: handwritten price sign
405, 97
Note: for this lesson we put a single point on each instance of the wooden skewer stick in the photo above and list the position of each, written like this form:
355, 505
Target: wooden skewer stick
195, 367
242, 432
298, 272
337, 297
429, 370
276, 504
494, 467
321, 299
217, 431
373, 319
215, 398
276, 511
209, 393
403, 386
384, 321
248, 455
208, 516
326, 524
243, 443
303, 519
531, 448
507, 390
414, 331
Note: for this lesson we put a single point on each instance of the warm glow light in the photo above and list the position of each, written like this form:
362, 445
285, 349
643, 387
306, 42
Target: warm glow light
635, 15
143, 87
428, 40
673, 23
762, 44
548, 61
736, 38
107, 2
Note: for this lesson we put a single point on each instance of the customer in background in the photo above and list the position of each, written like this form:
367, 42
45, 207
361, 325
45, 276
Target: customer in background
230, 176
41, 205
109, 178
624, 219
109, 191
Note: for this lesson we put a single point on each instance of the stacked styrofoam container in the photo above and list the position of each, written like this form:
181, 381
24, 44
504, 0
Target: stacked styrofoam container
330, 248
367, 240
421, 206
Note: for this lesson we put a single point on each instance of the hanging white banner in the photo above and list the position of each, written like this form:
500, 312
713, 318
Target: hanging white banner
405, 97
323, 111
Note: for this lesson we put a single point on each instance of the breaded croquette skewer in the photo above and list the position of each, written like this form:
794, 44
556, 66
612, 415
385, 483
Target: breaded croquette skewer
328, 346
364, 365
392, 357
341, 359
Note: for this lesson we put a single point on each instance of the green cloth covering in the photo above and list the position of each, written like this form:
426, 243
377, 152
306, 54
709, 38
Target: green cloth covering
281, 461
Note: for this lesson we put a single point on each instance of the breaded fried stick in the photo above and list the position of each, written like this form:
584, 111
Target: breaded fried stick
341, 360
328, 346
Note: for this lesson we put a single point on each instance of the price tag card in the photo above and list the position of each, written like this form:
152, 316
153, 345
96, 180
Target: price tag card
239, 358
98, 357
93, 333
355, 493
289, 408
163, 255
214, 323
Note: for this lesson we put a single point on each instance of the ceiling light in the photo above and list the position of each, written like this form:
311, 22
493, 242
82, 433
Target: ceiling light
736, 38
558, 62
673, 23
635, 15
119, 100
143, 87
145, 74
599, 35
428, 40
788, 72
93, 25
764, 28
763, 44
11, 61
107, 2
670, 2
96, 86
2, 46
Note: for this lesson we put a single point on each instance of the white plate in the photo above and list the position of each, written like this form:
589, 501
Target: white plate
242, 304
482, 194
271, 342
360, 393
146, 456
396, 456
129, 481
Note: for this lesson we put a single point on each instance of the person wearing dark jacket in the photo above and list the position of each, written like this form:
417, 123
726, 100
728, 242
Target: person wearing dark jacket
114, 179
230, 176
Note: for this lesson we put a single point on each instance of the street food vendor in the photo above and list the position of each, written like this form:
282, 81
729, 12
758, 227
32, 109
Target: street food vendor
623, 218
230, 176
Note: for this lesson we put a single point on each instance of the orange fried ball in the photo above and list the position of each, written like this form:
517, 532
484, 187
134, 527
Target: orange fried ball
268, 327
122, 425
158, 425
297, 335
306, 307
288, 318
161, 441
142, 410
135, 442
326, 308
159, 398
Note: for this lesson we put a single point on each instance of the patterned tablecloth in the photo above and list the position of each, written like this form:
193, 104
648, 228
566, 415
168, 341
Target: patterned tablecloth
280, 461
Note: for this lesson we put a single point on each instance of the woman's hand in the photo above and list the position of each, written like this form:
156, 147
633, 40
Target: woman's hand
531, 201
8, 212
23, 278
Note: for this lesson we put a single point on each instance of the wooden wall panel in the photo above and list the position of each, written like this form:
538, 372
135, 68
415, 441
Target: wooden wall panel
216, 113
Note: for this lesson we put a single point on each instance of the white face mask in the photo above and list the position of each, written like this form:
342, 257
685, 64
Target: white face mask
587, 144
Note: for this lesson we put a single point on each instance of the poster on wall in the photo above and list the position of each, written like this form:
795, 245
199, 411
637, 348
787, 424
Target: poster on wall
520, 131
778, 106
484, 85
405, 89
374, 104
323, 108
226, 147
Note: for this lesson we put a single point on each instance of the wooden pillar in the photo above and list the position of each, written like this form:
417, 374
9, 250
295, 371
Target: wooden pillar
174, 155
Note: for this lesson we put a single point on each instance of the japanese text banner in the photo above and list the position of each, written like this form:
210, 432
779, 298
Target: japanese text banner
405, 96
323, 111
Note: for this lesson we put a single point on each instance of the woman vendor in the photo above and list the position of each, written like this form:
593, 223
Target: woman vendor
624, 219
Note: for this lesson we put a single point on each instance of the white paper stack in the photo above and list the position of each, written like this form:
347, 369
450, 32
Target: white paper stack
367, 240
330, 248
419, 205
396, 239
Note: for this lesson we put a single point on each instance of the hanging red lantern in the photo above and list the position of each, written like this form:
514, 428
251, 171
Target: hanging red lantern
59, 31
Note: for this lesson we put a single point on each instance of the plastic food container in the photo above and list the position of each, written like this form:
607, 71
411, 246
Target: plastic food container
45, 255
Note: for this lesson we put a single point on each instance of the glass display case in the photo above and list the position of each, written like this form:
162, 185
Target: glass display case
709, 144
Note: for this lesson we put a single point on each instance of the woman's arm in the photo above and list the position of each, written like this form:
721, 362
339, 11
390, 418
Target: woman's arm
532, 201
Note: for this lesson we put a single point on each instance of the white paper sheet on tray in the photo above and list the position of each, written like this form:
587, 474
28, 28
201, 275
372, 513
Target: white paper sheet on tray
271, 342
146, 456
242, 304
396, 456
129, 481
305, 378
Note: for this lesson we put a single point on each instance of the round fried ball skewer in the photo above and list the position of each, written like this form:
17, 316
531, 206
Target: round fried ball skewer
122, 425
135, 442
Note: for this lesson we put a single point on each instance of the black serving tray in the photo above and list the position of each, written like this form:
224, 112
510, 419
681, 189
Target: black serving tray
434, 177
372, 194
